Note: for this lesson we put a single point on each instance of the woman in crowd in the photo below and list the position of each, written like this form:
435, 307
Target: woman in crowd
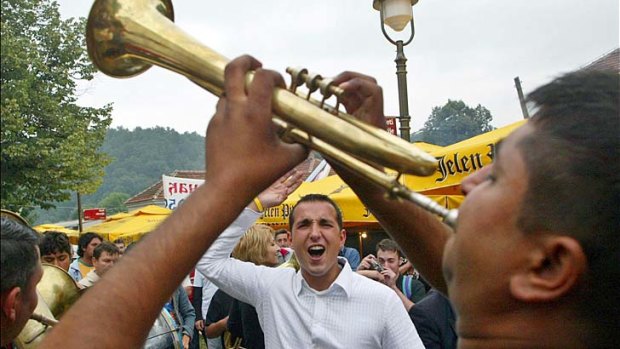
256, 246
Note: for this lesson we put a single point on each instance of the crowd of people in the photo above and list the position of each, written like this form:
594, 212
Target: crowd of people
533, 262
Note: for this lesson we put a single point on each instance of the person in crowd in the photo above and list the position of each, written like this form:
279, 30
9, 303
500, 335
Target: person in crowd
183, 314
435, 320
20, 272
120, 243
84, 263
256, 246
216, 320
105, 255
55, 249
204, 290
351, 255
283, 240
536, 239
325, 303
385, 268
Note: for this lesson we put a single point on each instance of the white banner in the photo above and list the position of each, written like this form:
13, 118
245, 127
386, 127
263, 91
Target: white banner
177, 189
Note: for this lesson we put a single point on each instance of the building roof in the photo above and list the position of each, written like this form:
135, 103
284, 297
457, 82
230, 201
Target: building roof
155, 191
609, 61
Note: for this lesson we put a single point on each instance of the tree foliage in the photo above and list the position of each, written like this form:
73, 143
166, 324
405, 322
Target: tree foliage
114, 202
49, 143
454, 122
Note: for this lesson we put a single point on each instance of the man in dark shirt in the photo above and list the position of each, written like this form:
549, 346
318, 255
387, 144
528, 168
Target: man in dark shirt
217, 316
434, 318
385, 268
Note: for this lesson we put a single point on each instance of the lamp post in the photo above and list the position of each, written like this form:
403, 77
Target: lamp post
396, 14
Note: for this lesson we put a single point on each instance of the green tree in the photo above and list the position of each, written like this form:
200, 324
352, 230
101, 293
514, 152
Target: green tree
454, 122
114, 202
49, 143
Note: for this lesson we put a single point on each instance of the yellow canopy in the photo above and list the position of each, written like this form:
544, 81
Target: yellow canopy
73, 235
133, 225
457, 161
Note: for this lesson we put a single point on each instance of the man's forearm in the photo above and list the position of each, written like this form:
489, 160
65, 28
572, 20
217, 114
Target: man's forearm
420, 234
137, 286
216, 329
406, 301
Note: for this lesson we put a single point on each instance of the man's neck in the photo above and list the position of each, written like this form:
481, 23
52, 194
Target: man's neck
522, 329
323, 282
87, 261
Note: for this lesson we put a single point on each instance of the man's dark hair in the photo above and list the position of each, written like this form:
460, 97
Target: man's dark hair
573, 170
85, 240
105, 246
280, 232
388, 245
19, 257
316, 198
54, 242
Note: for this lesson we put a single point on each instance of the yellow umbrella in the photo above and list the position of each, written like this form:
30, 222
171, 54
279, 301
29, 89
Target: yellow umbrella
457, 161
133, 225
73, 235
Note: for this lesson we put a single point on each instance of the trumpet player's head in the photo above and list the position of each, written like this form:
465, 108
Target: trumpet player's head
20, 273
537, 238
318, 236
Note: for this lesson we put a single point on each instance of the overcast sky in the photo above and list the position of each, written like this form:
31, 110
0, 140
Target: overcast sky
469, 50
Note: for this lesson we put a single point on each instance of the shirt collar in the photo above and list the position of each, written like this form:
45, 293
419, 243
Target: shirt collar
343, 282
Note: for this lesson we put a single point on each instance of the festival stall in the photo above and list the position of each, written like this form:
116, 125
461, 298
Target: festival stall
133, 225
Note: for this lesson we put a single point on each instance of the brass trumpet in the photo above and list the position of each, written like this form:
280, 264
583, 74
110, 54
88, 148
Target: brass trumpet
126, 37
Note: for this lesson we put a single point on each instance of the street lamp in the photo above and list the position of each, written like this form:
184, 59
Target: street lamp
396, 14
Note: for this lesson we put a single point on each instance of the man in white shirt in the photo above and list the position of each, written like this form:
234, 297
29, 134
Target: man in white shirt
325, 304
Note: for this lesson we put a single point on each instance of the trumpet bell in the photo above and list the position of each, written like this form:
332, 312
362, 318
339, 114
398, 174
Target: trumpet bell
106, 41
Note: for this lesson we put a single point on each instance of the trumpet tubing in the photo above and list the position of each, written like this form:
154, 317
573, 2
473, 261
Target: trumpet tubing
126, 37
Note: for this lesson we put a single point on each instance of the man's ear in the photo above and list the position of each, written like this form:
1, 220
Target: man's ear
554, 267
343, 237
9, 303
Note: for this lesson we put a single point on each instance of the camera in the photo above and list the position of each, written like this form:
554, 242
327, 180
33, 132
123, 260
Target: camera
376, 266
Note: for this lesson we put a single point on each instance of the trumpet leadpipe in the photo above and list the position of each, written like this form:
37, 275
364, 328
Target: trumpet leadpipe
44, 320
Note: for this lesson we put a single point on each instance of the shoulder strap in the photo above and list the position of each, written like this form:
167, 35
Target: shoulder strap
406, 286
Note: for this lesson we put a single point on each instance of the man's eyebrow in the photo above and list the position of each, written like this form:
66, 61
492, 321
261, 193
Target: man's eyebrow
305, 220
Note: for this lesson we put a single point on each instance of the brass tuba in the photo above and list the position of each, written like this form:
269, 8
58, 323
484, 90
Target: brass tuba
57, 292
125, 37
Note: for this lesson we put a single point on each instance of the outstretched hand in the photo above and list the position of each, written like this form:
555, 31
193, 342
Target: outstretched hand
362, 97
276, 193
243, 149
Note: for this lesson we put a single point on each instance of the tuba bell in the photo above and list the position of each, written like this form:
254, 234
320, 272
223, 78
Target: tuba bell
57, 292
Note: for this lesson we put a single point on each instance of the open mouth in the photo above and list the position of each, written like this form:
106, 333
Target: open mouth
316, 251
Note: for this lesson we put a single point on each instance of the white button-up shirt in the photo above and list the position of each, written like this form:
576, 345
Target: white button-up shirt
354, 312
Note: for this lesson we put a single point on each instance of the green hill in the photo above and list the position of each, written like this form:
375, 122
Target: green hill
139, 158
